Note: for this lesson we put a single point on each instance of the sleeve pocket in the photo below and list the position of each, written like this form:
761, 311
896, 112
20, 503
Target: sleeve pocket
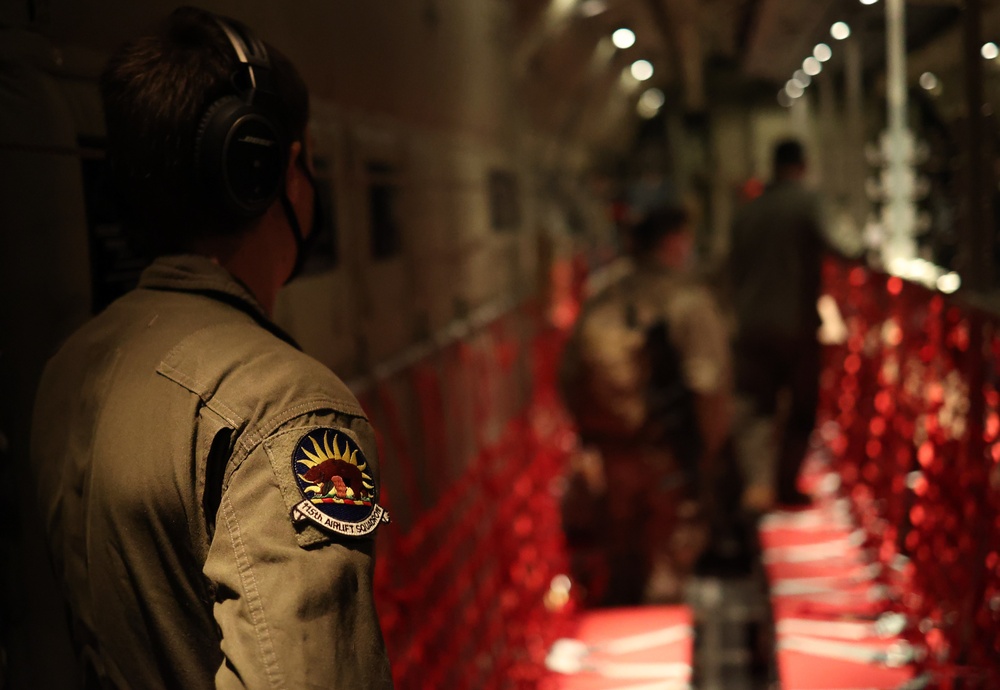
327, 483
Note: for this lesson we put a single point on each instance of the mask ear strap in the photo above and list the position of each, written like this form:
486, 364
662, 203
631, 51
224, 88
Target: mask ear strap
303, 243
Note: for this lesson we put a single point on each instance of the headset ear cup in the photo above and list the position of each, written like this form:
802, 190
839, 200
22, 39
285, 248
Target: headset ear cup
240, 154
210, 144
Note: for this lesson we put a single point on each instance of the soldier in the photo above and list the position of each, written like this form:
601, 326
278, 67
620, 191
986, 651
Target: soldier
210, 492
647, 376
775, 272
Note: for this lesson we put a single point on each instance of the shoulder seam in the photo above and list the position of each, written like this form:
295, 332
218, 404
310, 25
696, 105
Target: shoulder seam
180, 378
250, 439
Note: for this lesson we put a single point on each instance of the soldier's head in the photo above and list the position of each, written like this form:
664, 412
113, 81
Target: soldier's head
789, 160
663, 236
204, 126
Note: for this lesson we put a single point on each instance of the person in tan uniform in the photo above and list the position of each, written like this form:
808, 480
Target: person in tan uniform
646, 374
210, 493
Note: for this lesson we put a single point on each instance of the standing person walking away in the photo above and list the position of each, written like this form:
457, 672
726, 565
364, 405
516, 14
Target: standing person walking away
646, 375
210, 493
775, 269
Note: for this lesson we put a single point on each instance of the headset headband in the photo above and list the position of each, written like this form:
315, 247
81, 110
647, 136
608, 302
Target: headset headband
242, 140
250, 51
236, 163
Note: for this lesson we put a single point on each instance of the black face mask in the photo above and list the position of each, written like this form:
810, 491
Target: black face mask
303, 244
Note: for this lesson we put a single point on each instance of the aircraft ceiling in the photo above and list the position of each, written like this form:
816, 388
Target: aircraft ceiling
704, 51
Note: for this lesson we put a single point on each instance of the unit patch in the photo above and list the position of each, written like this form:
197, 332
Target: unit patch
338, 490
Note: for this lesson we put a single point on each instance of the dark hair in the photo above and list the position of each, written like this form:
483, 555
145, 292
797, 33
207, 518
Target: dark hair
660, 223
787, 153
155, 91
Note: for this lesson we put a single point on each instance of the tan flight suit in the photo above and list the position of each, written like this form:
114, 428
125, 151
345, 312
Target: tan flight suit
171, 440
644, 491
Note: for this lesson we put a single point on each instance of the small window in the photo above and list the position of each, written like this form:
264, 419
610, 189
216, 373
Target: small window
505, 206
383, 206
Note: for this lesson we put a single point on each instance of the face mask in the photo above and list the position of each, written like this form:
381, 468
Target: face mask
303, 244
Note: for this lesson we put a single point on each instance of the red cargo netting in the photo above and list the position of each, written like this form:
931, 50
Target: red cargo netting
913, 397
465, 572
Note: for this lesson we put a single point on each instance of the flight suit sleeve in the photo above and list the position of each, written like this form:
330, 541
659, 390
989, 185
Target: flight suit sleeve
294, 601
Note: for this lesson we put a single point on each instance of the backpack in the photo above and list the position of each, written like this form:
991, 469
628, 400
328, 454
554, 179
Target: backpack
623, 380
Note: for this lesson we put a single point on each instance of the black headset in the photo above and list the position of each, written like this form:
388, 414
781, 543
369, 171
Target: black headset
242, 143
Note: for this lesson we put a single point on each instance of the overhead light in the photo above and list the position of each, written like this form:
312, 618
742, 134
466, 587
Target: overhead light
812, 66
592, 8
840, 31
802, 78
785, 100
654, 98
642, 69
990, 50
559, 9
650, 103
868, 2
794, 89
623, 38
949, 282
822, 52
928, 81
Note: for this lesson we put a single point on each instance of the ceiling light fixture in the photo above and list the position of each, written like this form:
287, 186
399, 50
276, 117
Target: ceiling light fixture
642, 69
840, 31
812, 66
650, 103
793, 88
623, 38
592, 8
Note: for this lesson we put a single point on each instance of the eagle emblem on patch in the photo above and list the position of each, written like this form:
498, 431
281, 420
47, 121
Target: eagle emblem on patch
338, 490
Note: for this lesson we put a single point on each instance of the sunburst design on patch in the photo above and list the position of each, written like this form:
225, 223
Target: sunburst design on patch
331, 473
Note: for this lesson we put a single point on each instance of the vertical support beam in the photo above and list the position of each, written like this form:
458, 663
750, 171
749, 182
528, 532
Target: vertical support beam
895, 11
801, 117
900, 222
856, 168
830, 138
677, 22
552, 20
593, 83
977, 249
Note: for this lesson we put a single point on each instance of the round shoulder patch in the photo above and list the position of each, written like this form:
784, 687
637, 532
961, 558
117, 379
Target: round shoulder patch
338, 490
